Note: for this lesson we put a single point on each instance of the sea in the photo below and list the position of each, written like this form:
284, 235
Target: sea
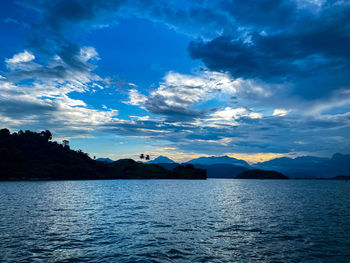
214, 220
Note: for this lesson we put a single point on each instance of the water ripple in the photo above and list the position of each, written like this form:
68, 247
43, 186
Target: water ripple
175, 221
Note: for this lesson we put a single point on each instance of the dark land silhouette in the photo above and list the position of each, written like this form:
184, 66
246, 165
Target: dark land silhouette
161, 159
304, 167
33, 156
261, 174
220, 170
309, 166
29, 155
104, 160
219, 160
341, 177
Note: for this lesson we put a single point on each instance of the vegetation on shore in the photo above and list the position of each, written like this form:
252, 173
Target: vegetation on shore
33, 156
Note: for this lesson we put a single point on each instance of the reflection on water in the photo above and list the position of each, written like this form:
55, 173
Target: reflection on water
175, 221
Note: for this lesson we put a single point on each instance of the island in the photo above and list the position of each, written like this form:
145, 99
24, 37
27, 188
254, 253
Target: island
27, 155
261, 174
341, 177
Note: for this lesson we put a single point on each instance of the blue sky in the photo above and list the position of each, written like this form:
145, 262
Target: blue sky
248, 79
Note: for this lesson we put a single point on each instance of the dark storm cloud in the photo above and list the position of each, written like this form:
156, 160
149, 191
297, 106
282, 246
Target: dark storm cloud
70, 54
49, 33
262, 13
70, 63
158, 105
313, 50
59, 13
280, 40
41, 72
279, 135
21, 109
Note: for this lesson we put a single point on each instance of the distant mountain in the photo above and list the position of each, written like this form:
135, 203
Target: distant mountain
104, 160
309, 166
219, 160
216, 167
213, 170
341, 159
161, 159
299, 160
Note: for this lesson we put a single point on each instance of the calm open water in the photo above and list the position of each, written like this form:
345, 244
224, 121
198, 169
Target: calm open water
175, 221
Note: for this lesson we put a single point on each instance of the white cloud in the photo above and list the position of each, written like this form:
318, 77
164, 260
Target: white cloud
193, 88
228, 116
82, 117
25, 56
136, 98
143, 118
179, 96
181, 90
280, 112
45, 101
255, 115
87, 53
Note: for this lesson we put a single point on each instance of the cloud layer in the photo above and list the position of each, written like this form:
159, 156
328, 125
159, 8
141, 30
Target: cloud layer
272, 76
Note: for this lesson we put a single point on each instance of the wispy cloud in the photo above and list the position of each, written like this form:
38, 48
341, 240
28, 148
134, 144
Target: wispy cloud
22, 57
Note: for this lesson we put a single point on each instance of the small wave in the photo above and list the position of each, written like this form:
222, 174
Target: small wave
239, 228
177, 252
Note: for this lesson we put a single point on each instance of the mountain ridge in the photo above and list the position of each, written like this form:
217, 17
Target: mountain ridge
219, 160
161, 159
309, 166
299, 167
104, 160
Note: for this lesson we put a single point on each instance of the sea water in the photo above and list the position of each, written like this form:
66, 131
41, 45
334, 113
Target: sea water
213, 220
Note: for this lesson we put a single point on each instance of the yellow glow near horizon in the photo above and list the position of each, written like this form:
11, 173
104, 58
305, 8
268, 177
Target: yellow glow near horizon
248, 157
256, 157
181, 157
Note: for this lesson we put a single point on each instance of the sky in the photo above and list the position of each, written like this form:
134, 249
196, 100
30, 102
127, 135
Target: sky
249, 79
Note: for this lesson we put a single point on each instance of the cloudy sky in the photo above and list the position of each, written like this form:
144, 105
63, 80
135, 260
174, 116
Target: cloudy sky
249, 79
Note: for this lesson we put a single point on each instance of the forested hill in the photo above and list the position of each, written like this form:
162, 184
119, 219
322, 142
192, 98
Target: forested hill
30, 155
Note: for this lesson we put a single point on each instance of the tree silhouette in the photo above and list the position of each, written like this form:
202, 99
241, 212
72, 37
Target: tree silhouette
46, 135
65, 143
31, 155
4, 132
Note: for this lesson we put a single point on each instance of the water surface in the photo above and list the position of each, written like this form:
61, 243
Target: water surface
175, 221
